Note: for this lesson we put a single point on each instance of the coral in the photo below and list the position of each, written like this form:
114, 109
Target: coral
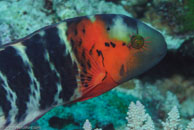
187, 110
67, 9
173, 42
172, 122
190, 125
136, 7
162, 95
188, 16
137, 118
141, 91
170, 97
88, 126
149, 93
98, 110
5, 34
179, 92
24, 16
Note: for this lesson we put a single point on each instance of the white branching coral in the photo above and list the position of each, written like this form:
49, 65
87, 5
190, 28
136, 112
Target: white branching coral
172, 122
87, 126
190, 125
137, 118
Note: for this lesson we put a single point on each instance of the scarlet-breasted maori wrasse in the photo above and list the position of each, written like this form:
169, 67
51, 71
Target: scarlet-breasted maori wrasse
71, 61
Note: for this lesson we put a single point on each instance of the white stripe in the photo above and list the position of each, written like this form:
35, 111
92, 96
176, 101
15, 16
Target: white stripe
11, 97
62, 27
33, 103
2, 121
29, 118
58, 100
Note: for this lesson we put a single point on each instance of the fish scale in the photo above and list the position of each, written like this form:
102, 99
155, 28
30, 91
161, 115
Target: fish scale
74, 60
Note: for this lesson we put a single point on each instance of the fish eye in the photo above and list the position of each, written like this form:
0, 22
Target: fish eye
137, 41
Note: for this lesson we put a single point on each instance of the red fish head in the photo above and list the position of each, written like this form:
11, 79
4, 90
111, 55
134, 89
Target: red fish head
112, 49
137, 47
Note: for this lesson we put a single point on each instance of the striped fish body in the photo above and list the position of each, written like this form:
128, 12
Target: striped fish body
71, 61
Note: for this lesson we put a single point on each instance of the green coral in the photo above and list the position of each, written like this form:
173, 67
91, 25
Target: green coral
188, 18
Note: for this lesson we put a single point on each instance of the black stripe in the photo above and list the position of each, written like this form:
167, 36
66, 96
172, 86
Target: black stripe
4, 103
108, 19
17, 76
47, 78
62, 63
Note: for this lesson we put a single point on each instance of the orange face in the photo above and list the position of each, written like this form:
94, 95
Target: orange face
121, 45
113, 49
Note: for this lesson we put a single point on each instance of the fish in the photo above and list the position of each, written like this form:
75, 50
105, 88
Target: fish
71, 61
